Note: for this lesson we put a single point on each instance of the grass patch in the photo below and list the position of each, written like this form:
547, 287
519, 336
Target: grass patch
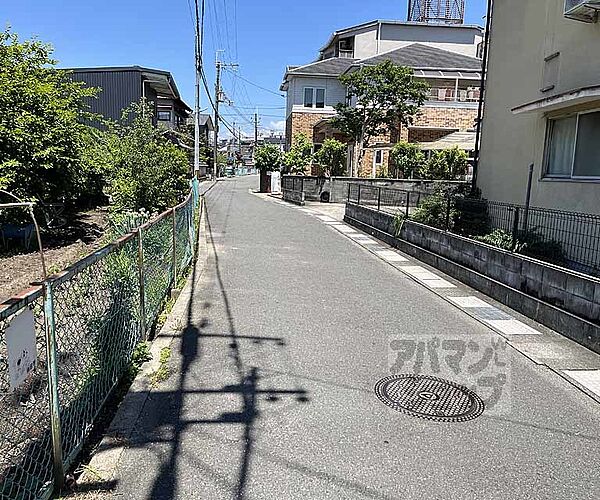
163, 371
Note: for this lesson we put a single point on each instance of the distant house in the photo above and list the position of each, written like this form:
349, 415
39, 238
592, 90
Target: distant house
206, 128
543, 105
122, 86
443, 55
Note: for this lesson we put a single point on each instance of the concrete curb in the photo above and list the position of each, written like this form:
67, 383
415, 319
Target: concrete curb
103, 465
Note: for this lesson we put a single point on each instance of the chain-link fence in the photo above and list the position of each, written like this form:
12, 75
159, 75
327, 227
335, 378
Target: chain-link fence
65, 345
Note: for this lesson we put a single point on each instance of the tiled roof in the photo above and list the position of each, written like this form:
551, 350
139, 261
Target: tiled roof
418, 55
334, 67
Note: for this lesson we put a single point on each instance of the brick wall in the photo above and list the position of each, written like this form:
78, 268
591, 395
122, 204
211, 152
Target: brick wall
426, 134
303, 123
445, 119
456, 118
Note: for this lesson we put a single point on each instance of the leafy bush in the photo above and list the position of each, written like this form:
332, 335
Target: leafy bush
497, 238
399, 218
332, 157
535, 245
471, 217
449, 164
529, 243
433, 210
143, 168
268, 157
299, 157
42, 138
408, 159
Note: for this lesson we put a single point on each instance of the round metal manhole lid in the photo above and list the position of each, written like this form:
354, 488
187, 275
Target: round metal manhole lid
429, 397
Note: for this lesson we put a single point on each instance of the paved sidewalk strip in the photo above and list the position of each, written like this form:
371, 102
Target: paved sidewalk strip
590, 379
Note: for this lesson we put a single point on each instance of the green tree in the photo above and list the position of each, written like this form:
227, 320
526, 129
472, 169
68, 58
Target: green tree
299, 157
42, 138
408, 159
449, 164
267, 158
381, 98
332, 157
144, 170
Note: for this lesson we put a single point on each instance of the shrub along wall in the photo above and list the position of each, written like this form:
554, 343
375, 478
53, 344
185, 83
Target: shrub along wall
564, 300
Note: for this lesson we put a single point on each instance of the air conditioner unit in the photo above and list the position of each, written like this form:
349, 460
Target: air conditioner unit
582, 10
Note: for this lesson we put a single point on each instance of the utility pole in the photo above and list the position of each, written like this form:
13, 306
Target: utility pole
219, 98
217, 102
256, 129
198, 66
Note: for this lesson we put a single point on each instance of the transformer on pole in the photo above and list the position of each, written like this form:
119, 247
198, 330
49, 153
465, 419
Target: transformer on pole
437, 11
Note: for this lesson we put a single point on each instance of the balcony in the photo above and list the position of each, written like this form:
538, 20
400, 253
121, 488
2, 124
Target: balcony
346, 54
452, 96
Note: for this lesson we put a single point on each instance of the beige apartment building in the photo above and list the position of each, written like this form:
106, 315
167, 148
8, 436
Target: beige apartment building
542, 104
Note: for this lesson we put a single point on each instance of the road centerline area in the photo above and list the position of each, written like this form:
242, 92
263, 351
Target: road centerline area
271, 393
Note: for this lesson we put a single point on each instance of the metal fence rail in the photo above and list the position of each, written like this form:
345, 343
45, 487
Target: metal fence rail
570, 239
88, 321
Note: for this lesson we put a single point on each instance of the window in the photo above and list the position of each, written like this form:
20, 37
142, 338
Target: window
308, 97
320, 99
571, 149
314, 98
164, 116
378, 157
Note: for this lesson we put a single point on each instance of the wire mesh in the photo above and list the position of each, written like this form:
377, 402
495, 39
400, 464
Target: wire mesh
183, 237
97, 313
157, 242
97, 317
25, 444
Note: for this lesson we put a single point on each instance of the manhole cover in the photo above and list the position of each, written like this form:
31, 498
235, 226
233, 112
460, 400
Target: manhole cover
429, 397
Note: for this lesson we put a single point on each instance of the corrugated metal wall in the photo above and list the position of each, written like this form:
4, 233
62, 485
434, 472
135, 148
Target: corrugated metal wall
119, 90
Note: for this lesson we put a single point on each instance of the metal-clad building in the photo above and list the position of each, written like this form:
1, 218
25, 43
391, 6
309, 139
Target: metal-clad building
121, 86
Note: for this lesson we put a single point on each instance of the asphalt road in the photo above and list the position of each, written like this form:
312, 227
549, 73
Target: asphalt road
271, 392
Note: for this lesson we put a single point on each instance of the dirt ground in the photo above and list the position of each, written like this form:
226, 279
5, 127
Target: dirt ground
62, 247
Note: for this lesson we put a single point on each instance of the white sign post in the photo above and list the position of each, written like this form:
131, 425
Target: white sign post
275, 182
20, 344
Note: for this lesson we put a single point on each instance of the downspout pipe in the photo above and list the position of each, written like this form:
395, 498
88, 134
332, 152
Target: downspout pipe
482, 89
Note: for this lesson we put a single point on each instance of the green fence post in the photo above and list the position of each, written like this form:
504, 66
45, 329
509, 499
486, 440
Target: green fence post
54, 403
192, 230
174, 241
140, 262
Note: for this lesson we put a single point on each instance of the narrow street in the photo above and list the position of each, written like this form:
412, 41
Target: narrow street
271, 394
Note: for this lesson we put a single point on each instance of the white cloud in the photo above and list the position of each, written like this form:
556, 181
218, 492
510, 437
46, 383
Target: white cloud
279, 125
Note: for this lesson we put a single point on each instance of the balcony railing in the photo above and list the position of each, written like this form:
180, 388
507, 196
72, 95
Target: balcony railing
445, 94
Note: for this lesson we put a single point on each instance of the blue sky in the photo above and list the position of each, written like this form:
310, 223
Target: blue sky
262, 36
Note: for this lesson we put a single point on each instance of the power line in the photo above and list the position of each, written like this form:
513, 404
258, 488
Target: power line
256, 84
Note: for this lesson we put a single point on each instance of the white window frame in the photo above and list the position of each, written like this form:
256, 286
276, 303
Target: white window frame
375, 164
571, 176
314, 97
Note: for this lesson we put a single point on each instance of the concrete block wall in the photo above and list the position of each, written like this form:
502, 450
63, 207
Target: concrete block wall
296, 197
564, 300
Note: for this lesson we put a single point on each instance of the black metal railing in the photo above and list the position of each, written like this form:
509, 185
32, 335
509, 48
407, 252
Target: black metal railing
569, 239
